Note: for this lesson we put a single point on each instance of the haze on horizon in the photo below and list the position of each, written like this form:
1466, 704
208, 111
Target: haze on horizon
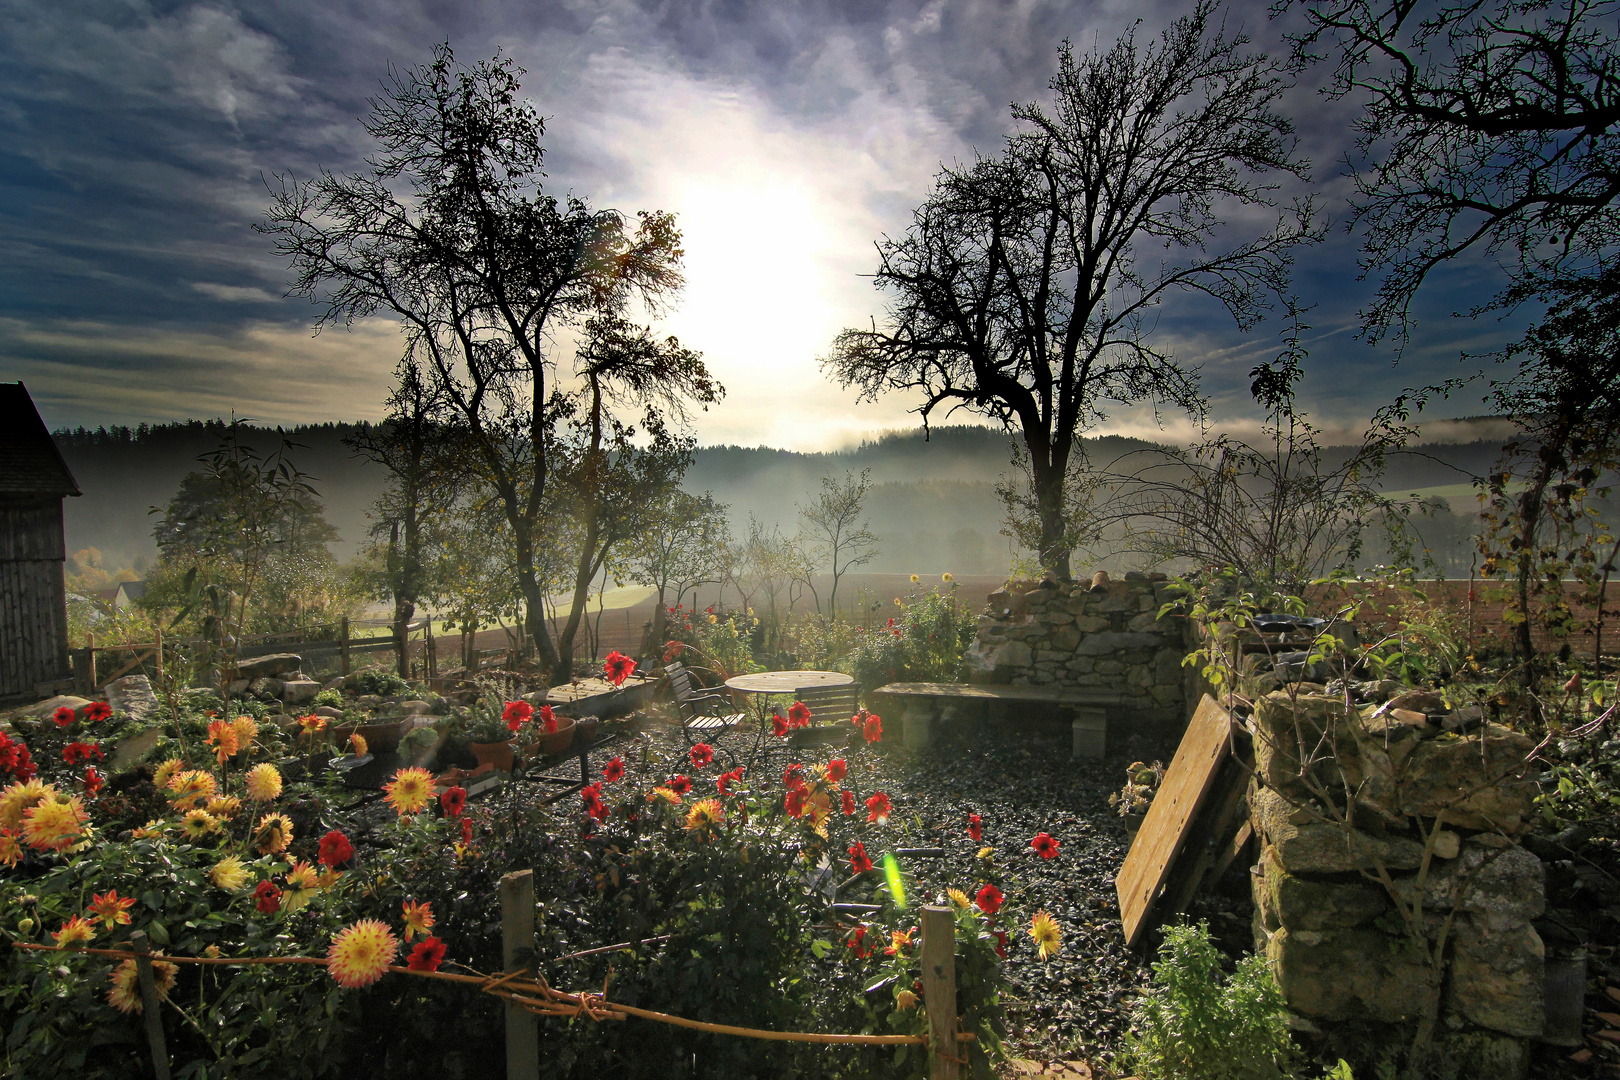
135, 139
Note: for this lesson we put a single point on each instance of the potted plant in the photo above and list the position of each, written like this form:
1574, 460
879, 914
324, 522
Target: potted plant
488, 735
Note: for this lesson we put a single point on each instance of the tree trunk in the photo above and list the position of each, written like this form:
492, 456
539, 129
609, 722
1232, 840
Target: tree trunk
1047, 479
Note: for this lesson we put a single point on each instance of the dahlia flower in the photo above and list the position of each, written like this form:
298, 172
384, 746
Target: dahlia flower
361, 953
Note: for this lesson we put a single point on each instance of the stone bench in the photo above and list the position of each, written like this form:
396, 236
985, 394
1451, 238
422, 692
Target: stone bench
924, 702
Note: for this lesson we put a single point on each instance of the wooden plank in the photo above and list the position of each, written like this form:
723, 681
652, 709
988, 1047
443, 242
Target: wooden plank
939, 990
998, 692
1191, 774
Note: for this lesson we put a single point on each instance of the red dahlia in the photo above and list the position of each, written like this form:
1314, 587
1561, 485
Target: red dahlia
1045, 844
267, 898
335, 849
872, 729
618, 667
679, 784
516, 714
779, 726
849, 802
973, 828
427, 956
837, 768
989, 899
701, 755
859, 863
799, 714
878, 808
63, 716
548, 720
454, 800
93, 781
613, 772
97, 711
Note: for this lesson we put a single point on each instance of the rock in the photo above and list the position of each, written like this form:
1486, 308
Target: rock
1447, 844
1348, 975
1308, 845
133, 750
1503, 887
328, 712
262, 667
133, 697
1296, 667
1485, 1055
1099, 581
299, 691
1109, 642
335, 683
265, 687
1090, 624
1012, 654
1144, 623
1472, 783
50, 705
1065, 639
1464, 719
1288, 900
415, 707
1497, 977
1423, 701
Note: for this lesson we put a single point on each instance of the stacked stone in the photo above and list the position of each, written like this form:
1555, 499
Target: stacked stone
1103, 636
1335, 935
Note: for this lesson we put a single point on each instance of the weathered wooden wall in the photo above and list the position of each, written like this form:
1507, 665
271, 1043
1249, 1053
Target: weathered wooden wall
33, 603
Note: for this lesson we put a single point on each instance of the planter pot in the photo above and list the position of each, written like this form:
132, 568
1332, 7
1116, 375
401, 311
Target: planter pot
381, 738
584, 730
1133, 822
497, 754
558, 741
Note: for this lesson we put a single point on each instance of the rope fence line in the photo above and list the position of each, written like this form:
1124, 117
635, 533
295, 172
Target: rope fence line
533, 994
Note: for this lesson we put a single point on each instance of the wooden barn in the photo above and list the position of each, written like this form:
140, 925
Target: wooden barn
33, 601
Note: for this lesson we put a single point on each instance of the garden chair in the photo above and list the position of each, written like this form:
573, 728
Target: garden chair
830, 710
704, 715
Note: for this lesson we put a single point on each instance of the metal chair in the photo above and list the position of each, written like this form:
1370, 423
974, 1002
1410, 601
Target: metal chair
704, 715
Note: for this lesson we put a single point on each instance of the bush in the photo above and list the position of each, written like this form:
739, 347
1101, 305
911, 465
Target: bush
924, 642
1192, 1024
379, 681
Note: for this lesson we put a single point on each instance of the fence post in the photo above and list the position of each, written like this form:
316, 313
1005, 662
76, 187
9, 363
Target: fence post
159, 666
939, 991
517, 954
343, 644
90, 641
149, 1005
430, 652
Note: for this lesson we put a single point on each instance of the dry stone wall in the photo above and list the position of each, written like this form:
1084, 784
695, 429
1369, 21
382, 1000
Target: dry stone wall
1104, 636
1390, 884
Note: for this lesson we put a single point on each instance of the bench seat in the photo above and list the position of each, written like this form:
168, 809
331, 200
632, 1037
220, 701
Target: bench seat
1088, 705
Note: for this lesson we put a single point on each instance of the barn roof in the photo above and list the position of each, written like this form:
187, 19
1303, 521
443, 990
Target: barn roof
30, 463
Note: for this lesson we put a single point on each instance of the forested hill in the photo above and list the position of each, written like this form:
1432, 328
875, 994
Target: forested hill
934, 502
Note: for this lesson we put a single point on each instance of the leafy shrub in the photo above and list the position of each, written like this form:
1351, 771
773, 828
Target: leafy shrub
332, 699
379, 681
923, 643
1193, 1024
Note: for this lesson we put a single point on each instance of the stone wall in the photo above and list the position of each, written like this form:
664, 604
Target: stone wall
1439, 799
1094, 634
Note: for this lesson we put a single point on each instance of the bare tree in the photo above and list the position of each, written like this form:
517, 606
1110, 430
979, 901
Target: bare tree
1018, 292
834, 533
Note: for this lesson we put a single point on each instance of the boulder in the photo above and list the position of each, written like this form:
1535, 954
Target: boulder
133, 750
1485, 1055
265, 687
1501, 885
299, 691
1349, 975
1288, 900
264, 667
1497, 977
1477, 782
1111, 642
1308, 842
415, 707
50, 705
328, 712
132, 696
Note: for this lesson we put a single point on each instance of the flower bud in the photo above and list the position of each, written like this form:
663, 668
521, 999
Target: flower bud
25, 926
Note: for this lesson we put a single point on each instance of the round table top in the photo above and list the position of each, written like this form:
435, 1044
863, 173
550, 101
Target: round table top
786, 682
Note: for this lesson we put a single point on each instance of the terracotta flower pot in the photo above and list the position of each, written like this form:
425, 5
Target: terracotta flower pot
497, 754
555, 742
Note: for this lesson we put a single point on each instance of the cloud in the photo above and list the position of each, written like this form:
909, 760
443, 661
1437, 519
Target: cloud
236, 294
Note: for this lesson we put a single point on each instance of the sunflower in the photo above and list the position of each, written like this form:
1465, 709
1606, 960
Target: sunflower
273, 833
192, 788
705, 816
166, 772
1044, 929
263, 782
302, 883
110, 909
75, 931
946, 578
125, 995
418, 919
55, 824
229, 874
18, 797
197, 824
410, 791
360, 953
915, 578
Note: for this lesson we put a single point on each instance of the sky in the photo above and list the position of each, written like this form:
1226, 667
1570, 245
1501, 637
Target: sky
137, 140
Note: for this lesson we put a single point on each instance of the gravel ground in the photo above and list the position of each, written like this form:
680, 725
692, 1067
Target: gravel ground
1074, 1006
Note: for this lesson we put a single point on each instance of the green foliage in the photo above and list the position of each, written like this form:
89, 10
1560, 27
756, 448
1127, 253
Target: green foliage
332, 699
923, 642
1195, 1024
379, 681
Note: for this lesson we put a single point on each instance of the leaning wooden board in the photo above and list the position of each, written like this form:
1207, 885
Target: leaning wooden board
1171, 814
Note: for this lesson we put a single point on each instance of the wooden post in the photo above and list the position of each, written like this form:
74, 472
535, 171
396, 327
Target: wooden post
939, 991
517, 954
430, 652
159, 666
150, 1016
90, 640
343, 645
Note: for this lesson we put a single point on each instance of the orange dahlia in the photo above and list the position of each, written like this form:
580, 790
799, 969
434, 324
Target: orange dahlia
263, 782
192, 788
222, 737
418, 919
410, 791
11, 850
18, 797
125, 995
361, 953
273, 834
110, 909
705, 816
75, 931
55, 824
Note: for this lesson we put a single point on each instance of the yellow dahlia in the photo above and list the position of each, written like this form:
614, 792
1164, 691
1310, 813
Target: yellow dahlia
946, 578
705, 816
110, 909
302, 883
166, 772
361, 953
409, 791
75, 931
273, 834
1044, 929
192, 788
151, 829
263, 782
229, 874
197, 824
125, 995
247, 729
357, 744
418, 919
313, 724
958, 897
224, 806
56, 824
18, 797
664, 793
11, 848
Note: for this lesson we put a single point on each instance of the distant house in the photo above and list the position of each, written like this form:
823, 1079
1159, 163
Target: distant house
33, 602
128, 594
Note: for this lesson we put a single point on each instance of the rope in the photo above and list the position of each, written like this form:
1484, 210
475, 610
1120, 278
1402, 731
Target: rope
537, 997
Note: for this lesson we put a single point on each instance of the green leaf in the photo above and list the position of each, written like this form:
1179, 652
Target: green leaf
158, 933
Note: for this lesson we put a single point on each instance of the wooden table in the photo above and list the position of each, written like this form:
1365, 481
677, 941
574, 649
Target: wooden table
785, 682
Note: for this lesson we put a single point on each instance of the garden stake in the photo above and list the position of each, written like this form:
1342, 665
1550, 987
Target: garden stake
149, 1005
517, 956
939, 990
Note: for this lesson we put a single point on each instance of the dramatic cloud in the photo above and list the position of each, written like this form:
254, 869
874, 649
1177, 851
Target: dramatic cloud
137, 139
